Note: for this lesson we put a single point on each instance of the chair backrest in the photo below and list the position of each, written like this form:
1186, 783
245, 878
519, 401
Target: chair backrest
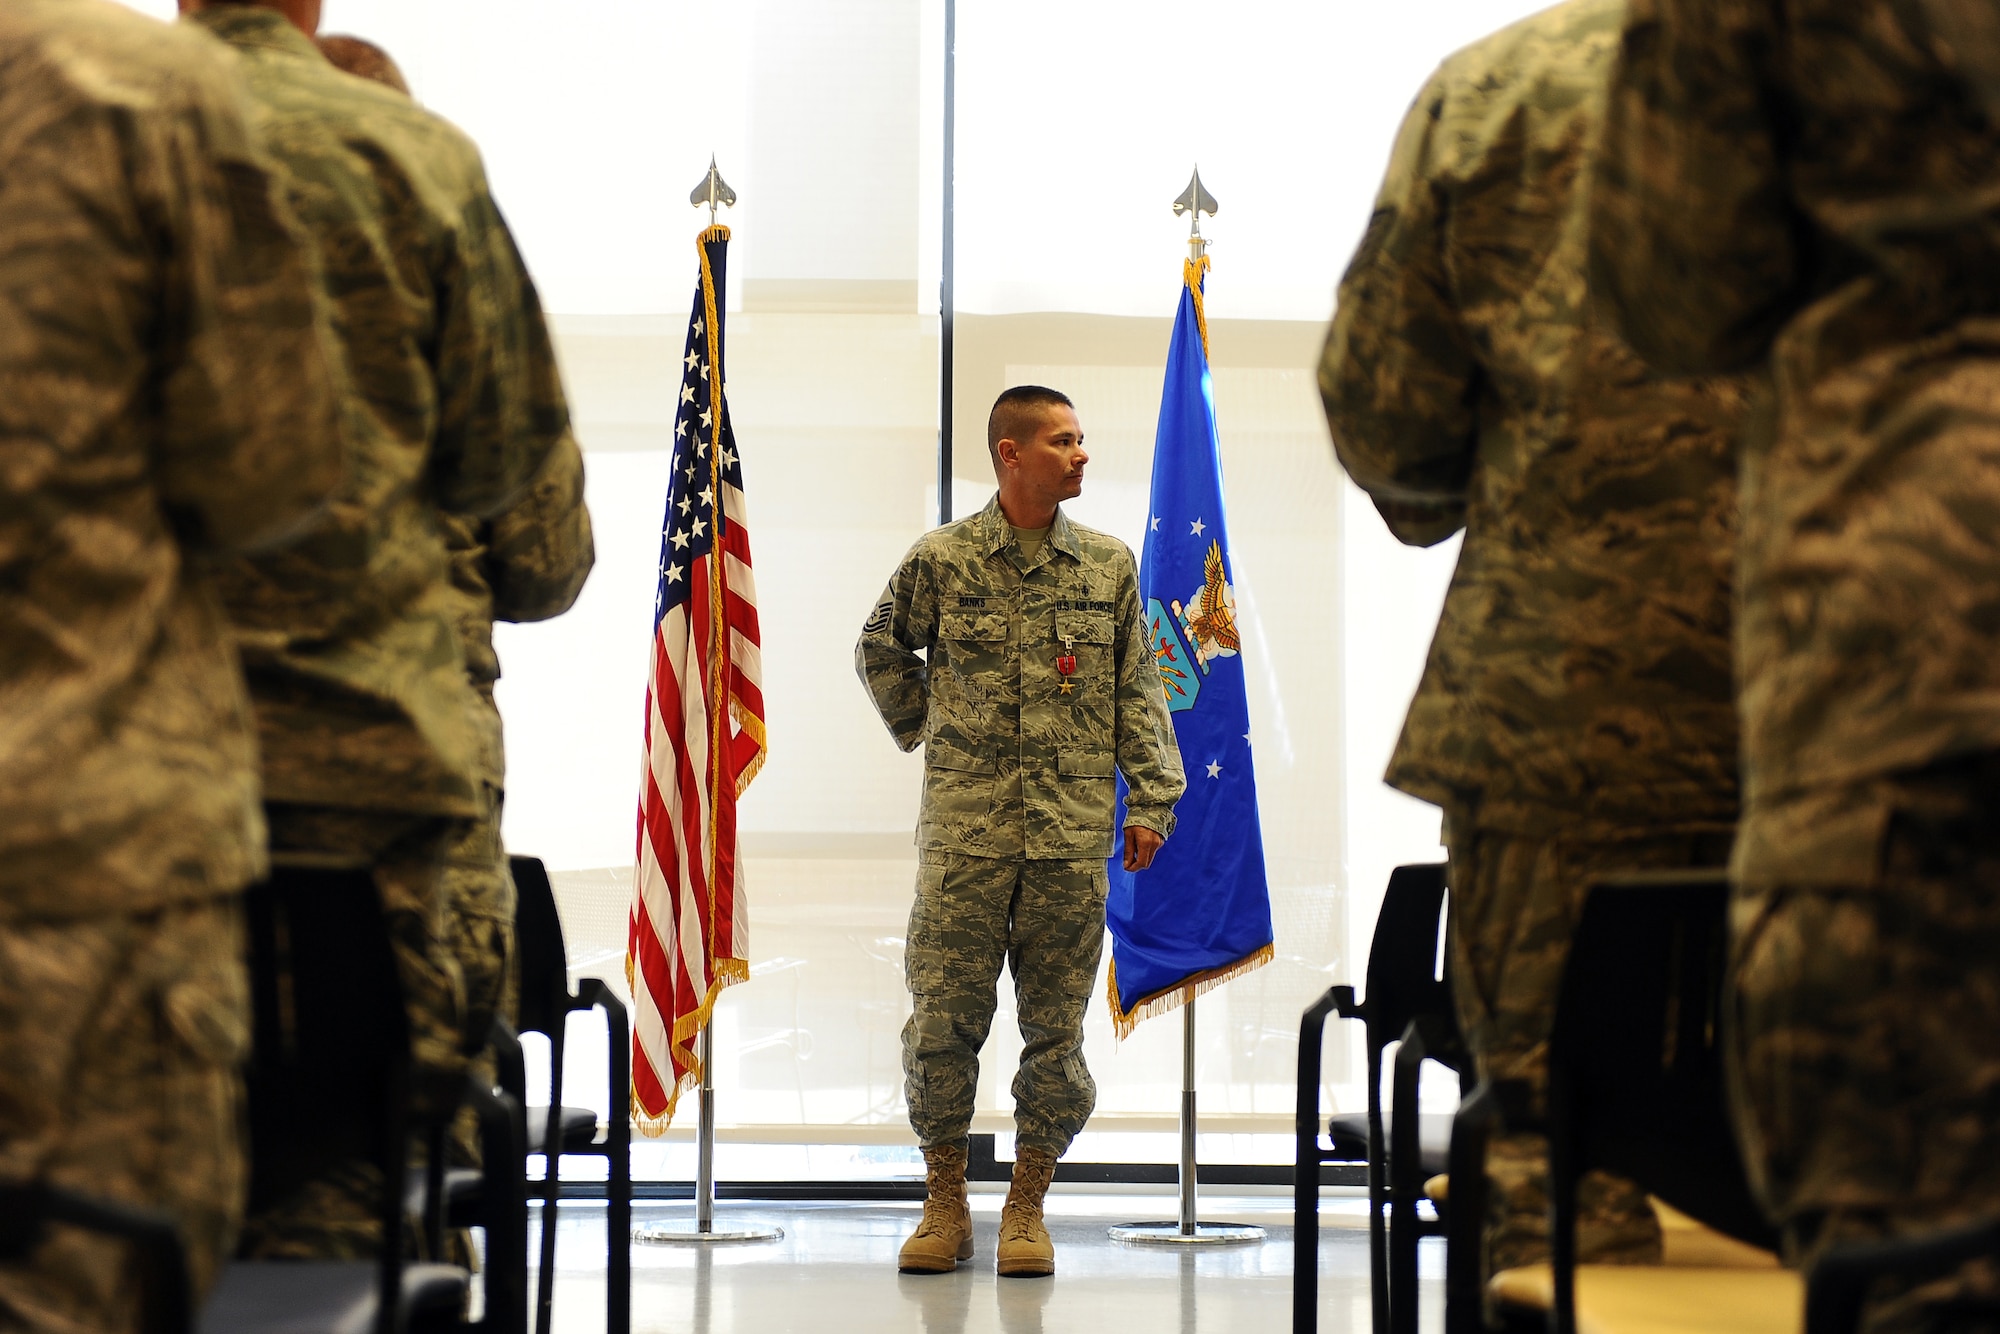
1403, 980
1636, 1081
538, 944
160, 1264
328, 1079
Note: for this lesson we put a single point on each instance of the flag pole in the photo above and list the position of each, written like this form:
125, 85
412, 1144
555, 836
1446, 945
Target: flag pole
712, 193
1188, 1230
1188, 1121
947, 285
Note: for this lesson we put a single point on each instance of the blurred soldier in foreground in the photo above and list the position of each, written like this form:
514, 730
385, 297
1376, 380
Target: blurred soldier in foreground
1575, 715
526, 564
1012, 647
373, 753
167, 397
1818, 184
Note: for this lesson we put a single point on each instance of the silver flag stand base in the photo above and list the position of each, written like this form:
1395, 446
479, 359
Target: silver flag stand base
684, 1234
1205, 1234
1187, 1231
701, 1230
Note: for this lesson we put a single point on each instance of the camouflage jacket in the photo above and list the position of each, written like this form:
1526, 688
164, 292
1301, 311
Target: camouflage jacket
1581, 667
1817, 183
348, 638
960, 655
167, 395
527, 563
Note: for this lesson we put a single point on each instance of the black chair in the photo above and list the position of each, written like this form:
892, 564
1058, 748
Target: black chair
159, 1259
556, 1131
1635, 1080
1837, 1288
1403, 986
329, 1082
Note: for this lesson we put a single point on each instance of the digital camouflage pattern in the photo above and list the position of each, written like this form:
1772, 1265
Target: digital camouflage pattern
1042, 918
1866, 1041
1515, 903
168, 398
355, 666
123, 1034
527, 563
1581, 666
960, 656
1817, 184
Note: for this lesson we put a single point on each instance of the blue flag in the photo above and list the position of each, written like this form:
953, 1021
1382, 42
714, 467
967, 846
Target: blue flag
1202, 914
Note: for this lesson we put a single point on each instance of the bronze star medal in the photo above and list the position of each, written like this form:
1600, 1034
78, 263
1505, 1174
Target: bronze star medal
1066, 665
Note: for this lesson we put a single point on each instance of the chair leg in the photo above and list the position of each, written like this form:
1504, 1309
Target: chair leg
1306, 1164
1378, 1198
503, 1139
1464, 1279
1405, 1183
618, 1145
545, 1281
436, 1145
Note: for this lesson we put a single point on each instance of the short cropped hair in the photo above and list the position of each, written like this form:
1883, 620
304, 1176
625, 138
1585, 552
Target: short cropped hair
363, 59
1011, 411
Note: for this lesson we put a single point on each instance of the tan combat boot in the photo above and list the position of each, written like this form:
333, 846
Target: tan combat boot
1025, 1248
944, 1237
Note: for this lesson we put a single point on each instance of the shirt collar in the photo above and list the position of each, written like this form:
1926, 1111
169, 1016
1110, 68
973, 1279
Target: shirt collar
253, 25
995, 532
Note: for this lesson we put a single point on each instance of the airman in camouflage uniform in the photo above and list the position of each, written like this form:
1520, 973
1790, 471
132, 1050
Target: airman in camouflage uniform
168, 398
1575, 715
367, 716
1812, 184
528, 564
1018, 659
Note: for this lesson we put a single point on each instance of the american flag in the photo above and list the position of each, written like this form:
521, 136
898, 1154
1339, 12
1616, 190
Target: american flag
704, 730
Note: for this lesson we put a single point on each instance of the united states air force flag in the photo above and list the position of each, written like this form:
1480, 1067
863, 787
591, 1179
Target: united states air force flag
1202, 914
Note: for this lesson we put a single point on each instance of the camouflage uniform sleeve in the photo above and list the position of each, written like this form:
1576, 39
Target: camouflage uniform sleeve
250, 444
1692, 252
1149, 755
540, 550
903, 622
1398, 374
501, 407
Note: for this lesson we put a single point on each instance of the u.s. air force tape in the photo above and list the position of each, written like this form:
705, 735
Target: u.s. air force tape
878, 620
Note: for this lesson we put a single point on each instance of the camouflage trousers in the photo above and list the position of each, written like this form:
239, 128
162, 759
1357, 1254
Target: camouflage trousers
1866, 1046
479, 929
1043, 919
1515, 901
334, 1216
123, 1037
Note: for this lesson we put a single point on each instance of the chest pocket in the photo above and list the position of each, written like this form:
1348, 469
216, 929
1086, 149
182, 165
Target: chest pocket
979, 625
1083, 627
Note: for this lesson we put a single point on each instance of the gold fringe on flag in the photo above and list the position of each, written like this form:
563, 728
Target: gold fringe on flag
728, 972
1191, 272
1179, 994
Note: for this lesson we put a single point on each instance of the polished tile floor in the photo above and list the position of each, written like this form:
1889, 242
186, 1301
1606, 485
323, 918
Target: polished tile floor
834, 1271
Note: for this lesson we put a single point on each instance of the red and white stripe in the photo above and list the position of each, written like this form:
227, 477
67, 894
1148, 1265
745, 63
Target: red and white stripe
690, 924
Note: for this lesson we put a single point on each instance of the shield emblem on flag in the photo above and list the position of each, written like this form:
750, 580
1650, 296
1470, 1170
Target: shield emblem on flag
1180, 681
